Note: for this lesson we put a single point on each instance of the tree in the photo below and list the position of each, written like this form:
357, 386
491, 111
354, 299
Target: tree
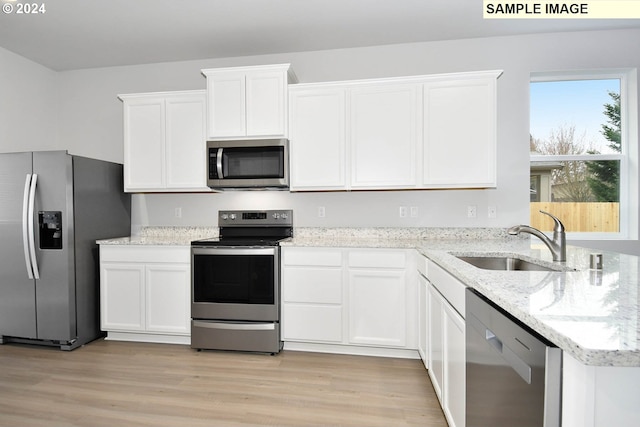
604, 175
570, 181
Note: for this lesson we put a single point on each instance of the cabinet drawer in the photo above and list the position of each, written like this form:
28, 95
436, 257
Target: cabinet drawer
377, 259
312, 257
305, 322
314, 285
145, 254
450, 287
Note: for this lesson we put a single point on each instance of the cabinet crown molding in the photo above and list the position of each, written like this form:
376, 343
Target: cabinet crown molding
426, 78
164, 94
292, 78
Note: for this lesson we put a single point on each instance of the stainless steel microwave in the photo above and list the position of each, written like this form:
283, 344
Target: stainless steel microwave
248, 164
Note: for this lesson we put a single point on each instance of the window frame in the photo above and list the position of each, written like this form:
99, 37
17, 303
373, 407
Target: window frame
628, 157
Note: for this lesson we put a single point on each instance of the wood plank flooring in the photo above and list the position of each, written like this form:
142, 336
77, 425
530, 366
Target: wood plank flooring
108, 383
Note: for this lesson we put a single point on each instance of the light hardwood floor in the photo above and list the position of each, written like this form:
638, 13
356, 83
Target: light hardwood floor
107, 383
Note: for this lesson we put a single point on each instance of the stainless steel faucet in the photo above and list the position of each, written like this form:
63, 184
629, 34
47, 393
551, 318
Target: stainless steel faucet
557, 245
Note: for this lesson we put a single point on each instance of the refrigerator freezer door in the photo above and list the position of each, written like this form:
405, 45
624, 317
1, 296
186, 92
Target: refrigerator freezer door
17, 290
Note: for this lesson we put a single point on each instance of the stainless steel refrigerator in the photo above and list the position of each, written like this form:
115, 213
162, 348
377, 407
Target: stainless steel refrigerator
53, 207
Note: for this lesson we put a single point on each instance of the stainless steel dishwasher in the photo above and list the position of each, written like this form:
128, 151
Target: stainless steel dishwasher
513, 376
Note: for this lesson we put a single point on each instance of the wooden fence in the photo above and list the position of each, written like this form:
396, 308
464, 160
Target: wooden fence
577, 217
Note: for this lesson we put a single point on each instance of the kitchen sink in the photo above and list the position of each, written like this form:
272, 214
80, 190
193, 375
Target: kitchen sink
508, 263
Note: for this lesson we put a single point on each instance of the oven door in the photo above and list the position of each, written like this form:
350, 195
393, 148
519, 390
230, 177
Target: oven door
235, 283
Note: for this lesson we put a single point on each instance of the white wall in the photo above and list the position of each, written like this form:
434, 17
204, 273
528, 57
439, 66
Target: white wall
28, 117
91, 124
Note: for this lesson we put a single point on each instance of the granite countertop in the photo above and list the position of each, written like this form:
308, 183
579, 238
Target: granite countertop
592, 315
164, 236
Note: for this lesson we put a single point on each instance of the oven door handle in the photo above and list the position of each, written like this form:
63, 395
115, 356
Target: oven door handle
247, 326
236, 250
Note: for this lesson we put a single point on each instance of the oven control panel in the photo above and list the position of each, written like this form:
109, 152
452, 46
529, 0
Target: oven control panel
282, 217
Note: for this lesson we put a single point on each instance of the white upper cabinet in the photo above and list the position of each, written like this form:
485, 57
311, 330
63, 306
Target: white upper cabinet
318, 135
460, 131
248, 102
164, 141
420, 132
353, 136
383, 133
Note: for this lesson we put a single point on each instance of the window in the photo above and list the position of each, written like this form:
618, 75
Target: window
581, 153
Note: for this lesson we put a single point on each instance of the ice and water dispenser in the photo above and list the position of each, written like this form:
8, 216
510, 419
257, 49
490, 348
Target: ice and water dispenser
50, 226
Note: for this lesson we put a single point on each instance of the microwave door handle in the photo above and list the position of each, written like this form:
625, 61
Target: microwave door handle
219, 163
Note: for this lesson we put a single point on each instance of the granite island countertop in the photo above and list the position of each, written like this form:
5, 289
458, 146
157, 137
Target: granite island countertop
593, 316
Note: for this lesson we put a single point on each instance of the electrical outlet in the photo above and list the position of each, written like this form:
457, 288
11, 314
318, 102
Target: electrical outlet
403, 211
414, 212
178, 212
471, 212
321, 212
491, 212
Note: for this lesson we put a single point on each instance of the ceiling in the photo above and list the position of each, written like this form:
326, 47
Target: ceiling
77, 34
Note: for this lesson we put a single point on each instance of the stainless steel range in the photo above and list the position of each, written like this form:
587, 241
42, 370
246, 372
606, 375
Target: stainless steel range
235, 282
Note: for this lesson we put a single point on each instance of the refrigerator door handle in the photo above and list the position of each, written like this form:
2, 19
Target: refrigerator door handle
32, 240
25, 226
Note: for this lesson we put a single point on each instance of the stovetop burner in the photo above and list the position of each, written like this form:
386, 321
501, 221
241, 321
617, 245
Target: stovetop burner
251, 228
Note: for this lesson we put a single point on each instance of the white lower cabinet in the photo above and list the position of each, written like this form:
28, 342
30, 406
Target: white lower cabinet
436, 340
445, 346
349, 300
454, 367
423, 319
312, 289
145, 293
377, 307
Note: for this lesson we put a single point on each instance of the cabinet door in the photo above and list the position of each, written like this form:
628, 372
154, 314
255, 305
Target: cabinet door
460, 133
377, 307
226, 104
423, 321
384, 130
168, 293
312, 308
454, 367
266, 103
318, 139
144, 140
436, 341
312, 322
312, 294
185, 143
122, 297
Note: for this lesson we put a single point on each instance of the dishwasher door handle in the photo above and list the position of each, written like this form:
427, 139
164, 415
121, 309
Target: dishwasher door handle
517, 364
493, 339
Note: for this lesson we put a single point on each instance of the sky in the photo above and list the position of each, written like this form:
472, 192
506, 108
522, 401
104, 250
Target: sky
572, 102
